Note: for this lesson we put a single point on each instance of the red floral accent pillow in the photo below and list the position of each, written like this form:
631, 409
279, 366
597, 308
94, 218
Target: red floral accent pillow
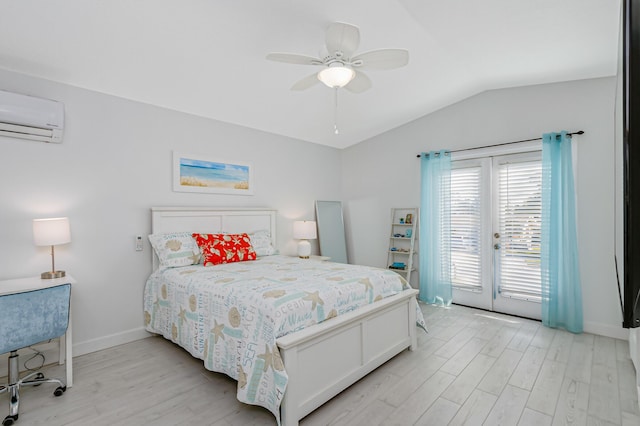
224, 248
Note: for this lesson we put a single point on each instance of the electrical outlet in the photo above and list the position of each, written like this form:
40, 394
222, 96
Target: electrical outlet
138, 242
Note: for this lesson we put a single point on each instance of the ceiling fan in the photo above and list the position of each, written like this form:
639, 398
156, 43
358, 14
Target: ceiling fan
341, 68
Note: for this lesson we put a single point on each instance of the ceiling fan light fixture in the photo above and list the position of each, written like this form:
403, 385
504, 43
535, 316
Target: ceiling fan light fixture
336, 76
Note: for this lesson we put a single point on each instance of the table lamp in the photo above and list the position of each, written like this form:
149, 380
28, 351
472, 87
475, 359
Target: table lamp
304, 230
51, 232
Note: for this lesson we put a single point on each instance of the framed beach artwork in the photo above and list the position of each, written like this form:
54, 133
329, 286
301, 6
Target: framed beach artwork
195, 173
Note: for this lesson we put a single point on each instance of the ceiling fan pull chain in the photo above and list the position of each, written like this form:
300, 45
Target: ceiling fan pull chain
335, 113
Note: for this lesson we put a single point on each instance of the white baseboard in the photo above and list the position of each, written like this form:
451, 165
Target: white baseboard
109, 341
51, 351
134, 334
606, 330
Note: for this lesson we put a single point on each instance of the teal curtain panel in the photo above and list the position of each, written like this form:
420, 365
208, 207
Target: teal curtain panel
435, 228
561, 288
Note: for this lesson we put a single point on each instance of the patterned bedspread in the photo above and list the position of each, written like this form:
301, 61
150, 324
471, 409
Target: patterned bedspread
231, 315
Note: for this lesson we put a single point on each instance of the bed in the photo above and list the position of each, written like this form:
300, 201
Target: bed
293, 332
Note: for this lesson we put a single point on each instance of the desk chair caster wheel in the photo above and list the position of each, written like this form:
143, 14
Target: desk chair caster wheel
9, 420
59, 391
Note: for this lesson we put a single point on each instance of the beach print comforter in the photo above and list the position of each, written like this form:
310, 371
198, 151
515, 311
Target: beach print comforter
231, 315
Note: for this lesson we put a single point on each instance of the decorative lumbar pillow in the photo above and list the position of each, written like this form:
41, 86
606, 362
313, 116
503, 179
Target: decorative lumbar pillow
224, 248
261, 242
175, 249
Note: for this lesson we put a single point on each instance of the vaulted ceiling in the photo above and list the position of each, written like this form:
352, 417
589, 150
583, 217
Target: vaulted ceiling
207, 57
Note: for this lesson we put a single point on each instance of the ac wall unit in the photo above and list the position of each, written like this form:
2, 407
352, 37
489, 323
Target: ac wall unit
28, 117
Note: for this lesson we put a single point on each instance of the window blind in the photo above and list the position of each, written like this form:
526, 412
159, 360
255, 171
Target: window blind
465, 228
519, 216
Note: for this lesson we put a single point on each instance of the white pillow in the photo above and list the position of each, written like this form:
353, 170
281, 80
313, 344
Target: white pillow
261, 242
175, 249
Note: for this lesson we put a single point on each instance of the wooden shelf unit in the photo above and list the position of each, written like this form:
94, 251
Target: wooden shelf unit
402, 239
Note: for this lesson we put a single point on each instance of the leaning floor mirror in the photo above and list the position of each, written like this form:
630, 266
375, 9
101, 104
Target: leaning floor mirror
331, 237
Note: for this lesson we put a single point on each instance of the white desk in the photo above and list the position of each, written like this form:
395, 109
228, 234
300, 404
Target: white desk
21, 285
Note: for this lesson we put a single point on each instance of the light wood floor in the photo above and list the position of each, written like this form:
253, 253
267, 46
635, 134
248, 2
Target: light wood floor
473, 367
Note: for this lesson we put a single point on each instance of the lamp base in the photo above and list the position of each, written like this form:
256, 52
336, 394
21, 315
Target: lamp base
304, 249
52, 274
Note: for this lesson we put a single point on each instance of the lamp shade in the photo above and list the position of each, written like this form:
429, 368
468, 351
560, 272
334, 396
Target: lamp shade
51, 232
336, 76
304, 230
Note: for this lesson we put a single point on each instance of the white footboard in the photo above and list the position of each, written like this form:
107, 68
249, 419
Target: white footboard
325, 359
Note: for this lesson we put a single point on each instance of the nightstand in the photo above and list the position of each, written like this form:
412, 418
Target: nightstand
316, 258
320, 258
36, 283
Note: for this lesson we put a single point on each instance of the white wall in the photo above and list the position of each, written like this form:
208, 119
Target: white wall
383, 172
114, 164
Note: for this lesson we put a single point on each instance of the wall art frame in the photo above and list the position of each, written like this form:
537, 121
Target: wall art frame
200, 173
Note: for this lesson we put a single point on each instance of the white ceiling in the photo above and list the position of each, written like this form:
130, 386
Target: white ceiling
207, 57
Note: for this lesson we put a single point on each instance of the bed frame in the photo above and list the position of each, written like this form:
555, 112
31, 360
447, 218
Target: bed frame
323, 360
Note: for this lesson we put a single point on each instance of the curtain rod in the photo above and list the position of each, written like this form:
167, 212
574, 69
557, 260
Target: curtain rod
579, 132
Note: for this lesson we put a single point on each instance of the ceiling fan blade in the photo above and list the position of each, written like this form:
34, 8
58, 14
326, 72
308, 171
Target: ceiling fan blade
294, 58
306, 82
359, 84
343, 38
382, 59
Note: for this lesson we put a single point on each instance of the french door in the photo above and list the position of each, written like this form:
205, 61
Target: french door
495, 233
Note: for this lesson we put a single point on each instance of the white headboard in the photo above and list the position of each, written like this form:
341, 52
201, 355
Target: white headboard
212, 220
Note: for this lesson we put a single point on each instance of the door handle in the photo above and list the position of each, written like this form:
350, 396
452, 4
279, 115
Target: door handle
496, 246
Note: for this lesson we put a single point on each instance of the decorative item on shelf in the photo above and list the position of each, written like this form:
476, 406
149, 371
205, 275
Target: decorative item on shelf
304, 230
398, 265
409, 218
407, 233
394, 249
398, 235
51, 232
401, 221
